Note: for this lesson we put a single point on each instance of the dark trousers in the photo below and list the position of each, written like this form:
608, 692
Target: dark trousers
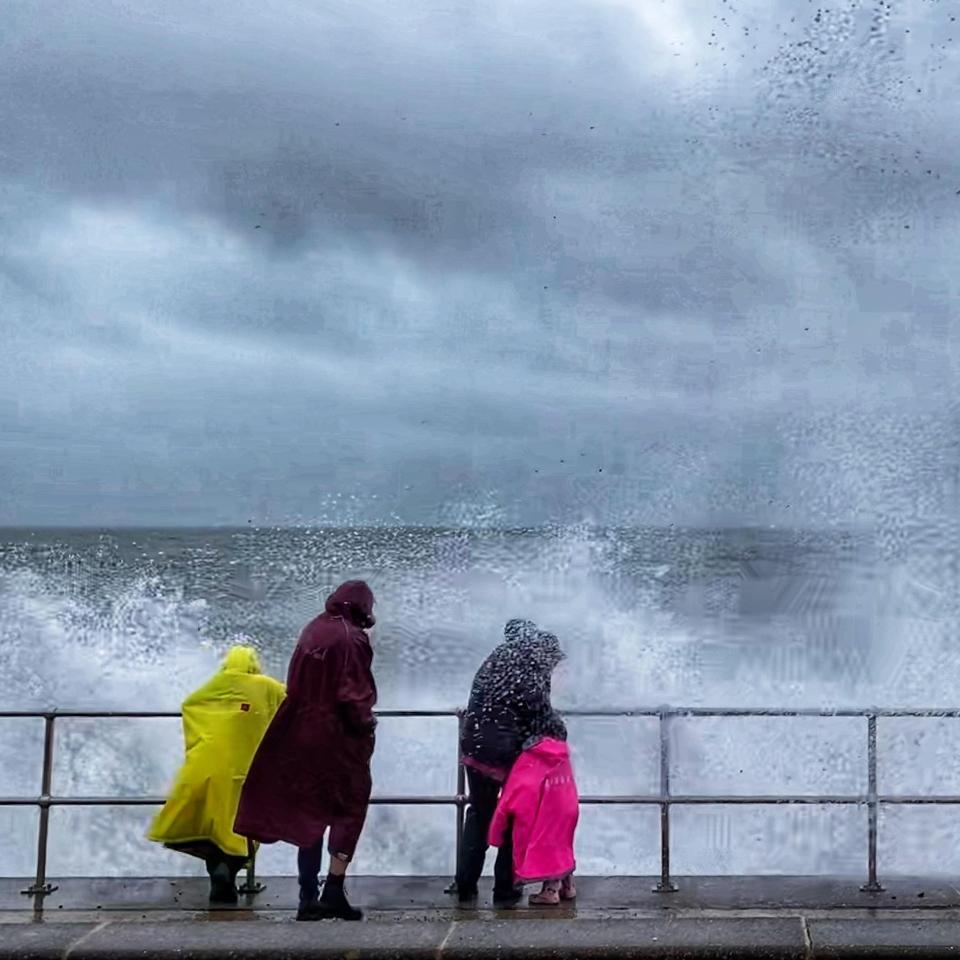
309, 863
212, 856
484, 794
344, 837
233, 864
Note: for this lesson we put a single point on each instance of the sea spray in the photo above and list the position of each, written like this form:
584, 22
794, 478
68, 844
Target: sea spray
137, 619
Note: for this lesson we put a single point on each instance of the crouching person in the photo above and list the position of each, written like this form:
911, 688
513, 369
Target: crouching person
223, 724
538, 811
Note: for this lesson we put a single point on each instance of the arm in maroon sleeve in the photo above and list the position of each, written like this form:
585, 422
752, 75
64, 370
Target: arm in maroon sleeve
356, 693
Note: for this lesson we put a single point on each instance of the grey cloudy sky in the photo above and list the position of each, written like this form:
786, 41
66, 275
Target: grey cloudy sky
689, 261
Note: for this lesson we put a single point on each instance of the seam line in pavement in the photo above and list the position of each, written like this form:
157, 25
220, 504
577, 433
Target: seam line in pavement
807, 942
446, 937
76, 943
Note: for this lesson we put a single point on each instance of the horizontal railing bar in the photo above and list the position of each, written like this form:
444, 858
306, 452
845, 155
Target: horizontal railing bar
175, 714
82, 801
87, 714
680, 712
813, 712
619, 800
159, 801
919, 799
720, 799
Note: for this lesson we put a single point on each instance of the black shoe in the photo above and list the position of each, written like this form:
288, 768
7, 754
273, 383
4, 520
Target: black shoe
223, 889
505, 899
309, 911
332, 905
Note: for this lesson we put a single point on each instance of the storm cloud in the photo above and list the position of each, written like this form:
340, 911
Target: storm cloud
676, 261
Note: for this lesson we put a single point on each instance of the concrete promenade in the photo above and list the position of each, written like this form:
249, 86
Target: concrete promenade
412, 919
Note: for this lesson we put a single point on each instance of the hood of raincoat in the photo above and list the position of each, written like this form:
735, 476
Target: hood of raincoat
549, 752
521, 667
519, 630
241, 659
352, 600
543, 649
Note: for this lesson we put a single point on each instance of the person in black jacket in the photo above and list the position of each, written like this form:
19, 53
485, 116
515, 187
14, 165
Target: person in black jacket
509, 703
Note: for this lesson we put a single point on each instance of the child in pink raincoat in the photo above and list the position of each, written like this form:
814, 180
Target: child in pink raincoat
539, 807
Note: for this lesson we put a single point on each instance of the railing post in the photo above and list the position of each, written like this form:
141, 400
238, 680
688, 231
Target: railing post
40, 887
251, 886
665, 884
461, 792
873, 807
461, 801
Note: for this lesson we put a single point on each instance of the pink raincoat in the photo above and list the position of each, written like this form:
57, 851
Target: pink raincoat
541, 805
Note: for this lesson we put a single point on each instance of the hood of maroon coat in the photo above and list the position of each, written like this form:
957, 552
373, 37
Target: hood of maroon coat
352, 600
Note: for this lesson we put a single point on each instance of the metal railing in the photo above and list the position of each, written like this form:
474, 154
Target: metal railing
664, 799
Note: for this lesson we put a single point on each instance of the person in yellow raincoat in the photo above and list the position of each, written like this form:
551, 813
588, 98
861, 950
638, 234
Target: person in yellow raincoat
223, 723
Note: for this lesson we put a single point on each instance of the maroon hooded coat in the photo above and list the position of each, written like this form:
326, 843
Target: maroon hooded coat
313, 764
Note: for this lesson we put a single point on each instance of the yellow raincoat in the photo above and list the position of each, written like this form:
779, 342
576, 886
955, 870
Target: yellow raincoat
223, 723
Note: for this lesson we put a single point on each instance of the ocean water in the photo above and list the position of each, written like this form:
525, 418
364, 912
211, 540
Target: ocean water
135, 619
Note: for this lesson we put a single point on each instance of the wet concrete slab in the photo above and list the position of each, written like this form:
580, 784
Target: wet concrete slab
425, 896
696, 938
878, 937
293, 941
467, 940
39, 941
735, 938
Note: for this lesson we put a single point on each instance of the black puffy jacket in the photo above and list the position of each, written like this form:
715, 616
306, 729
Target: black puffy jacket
510, 697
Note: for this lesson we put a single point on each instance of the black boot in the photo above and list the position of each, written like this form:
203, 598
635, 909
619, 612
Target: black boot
332, 905
223, 887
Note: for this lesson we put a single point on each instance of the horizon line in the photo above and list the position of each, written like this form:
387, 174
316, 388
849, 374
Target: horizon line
512, 528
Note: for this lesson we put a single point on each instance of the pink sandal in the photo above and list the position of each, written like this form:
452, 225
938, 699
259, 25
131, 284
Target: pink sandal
568, 889
549, 896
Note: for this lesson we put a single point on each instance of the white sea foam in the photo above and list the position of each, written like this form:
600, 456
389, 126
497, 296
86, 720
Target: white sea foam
690, 620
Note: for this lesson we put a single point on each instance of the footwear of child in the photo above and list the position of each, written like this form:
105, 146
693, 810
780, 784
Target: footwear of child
568, 889
549, 896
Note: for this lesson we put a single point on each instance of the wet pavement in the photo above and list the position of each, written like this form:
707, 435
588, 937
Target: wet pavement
397, 897
620, 917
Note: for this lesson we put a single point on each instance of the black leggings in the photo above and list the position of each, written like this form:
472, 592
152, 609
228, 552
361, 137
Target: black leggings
234, 864
484, 794
211, 855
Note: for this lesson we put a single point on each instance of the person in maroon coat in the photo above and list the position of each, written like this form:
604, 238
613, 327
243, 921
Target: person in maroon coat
311, 773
